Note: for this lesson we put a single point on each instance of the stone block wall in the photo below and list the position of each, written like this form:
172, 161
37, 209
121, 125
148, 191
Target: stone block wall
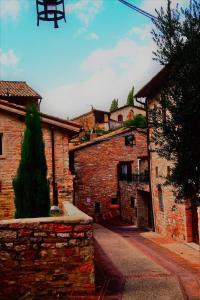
175, 219
128, 212
46, 257
12, 128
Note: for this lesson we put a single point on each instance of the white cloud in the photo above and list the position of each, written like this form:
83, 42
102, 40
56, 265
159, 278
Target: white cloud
9, 8
8, 58
111, 74
143, 32
92, 36
85, 10
151, 5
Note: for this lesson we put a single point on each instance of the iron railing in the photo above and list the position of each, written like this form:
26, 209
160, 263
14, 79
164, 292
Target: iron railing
144, 178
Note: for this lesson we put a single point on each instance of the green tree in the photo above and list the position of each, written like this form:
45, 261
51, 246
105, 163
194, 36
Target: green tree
114, 105
139, 121
30, 184
130, 98
176, 123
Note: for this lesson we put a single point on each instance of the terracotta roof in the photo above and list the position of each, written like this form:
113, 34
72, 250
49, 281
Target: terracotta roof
69, 126
110, 135
154, 85
17, 89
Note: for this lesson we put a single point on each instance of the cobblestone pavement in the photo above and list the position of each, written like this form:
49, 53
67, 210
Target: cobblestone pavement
140, 268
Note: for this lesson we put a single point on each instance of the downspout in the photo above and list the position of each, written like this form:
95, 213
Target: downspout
55, 192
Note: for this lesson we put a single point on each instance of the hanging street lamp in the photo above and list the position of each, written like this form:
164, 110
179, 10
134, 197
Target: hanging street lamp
50, 10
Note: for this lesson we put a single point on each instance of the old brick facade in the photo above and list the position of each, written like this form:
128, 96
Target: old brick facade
172, 218
12, 125
99, 187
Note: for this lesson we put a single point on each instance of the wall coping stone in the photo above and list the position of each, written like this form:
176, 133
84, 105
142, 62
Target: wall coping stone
71, 215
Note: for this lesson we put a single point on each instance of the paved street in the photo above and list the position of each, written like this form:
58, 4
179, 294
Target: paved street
138, 267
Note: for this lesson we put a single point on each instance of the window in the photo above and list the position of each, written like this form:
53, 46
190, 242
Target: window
97, 208
156, 171
120, 118
168, 171
1, 143
114, 201
133, 202
125, 171
130, 140
160, 198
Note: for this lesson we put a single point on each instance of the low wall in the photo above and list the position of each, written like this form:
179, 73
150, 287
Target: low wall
47, 257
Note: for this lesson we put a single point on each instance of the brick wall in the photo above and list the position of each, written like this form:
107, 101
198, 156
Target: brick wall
96, 170
86, 121
12, 128
46, 257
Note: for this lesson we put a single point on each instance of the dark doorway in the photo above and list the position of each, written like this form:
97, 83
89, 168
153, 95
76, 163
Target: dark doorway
145, 210
195, 231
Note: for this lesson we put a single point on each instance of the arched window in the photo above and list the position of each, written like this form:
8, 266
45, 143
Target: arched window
160, 197
120, 118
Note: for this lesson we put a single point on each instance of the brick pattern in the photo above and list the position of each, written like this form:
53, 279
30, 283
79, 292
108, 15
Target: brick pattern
12, 128
86, 121
96, 170
48, 259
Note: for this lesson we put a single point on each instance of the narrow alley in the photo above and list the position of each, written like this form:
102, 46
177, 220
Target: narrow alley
139, 265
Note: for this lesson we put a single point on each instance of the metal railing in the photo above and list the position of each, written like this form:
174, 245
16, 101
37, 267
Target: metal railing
143, 178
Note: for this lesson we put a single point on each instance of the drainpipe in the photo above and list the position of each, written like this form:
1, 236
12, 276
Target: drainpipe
55, 192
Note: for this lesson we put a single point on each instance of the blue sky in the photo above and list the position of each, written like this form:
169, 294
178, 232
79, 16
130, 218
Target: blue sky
102, 50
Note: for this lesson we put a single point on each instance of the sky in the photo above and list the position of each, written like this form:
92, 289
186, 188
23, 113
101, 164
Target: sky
102, 50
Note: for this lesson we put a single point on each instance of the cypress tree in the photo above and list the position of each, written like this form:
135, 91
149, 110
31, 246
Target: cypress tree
130, 98
30, 185
114, 105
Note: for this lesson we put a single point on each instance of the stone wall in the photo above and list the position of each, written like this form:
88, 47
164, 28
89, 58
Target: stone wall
46, 257
97, 173
134, 199
128, 194
12, 128
174, 220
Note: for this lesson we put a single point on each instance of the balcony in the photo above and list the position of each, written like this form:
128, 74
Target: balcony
140, 178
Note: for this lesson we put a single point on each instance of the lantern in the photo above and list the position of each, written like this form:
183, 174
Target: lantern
50, 10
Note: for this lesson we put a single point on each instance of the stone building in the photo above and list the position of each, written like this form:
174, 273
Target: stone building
172, 218
93, 119
56, 133
111, 176
127, 112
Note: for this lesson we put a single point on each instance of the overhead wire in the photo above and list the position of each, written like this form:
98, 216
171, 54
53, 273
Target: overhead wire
141, 11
